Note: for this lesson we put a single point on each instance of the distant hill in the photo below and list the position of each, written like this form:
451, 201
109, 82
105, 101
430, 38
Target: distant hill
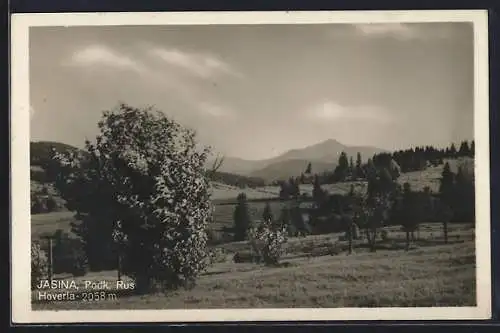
323, 157
40, 153
283, 170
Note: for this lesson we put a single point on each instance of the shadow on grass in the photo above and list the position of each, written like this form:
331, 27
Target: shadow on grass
215, 273
392, 245
381, 245
283, 264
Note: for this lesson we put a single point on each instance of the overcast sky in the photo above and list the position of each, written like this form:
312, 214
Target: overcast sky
257, 91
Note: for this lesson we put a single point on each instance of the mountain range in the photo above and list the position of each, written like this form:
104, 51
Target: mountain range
323, 157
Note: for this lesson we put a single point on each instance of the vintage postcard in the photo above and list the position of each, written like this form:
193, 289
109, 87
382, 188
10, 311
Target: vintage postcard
250, 166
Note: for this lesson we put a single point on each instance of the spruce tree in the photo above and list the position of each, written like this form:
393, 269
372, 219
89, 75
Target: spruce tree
446, 186
453, 150
446, 190
464, 196
342, 168
464, 149
242, 221
317, 193
359, 171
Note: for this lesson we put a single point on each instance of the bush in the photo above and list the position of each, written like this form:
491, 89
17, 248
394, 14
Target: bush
79, 265
39, 264
37, 205
268, 241
38, 176
217, 255
69, 255
51, 204
41, 203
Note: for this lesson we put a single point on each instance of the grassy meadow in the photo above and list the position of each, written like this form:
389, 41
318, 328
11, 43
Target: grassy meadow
315, 274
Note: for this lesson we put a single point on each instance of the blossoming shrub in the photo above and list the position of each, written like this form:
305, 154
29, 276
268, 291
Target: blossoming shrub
39, 263
141, 193
268, 241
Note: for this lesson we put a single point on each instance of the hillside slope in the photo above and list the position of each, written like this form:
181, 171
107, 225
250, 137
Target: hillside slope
283, 170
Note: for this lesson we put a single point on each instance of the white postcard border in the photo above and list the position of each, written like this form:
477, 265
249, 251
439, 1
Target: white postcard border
20, 175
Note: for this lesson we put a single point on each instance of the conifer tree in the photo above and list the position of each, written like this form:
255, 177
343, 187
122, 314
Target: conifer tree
453, 150
318, 193
359, 171
446, 190
464, 149
241, 218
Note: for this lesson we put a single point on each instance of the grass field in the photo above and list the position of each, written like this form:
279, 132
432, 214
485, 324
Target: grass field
431, 274
227, 192
42, 224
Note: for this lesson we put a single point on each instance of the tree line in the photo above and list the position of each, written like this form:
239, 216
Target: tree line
401, 161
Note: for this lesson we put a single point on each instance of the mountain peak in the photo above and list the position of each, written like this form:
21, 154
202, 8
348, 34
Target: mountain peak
330, 142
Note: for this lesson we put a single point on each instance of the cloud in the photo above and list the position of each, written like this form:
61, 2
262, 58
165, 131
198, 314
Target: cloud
213, 110
331, 111
201, 65
328, 110
99, 54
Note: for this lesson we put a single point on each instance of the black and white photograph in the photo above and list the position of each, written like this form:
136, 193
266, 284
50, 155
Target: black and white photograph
250, 166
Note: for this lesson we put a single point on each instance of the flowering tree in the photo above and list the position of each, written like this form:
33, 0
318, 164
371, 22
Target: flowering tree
142, 189
371, 213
